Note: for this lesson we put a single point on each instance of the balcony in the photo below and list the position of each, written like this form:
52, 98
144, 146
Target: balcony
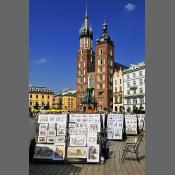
133, 87
134, 95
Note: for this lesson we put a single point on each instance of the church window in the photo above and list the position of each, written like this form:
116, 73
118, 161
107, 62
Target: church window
100, 51
91, 81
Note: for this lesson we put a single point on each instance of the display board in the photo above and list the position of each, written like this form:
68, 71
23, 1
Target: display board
83, 129
141, 121
115, 126
131, 124
51, 142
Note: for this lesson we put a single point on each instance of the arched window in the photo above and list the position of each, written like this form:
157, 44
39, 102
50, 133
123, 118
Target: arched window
91, 81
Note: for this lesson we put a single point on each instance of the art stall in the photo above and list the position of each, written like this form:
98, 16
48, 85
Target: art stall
84, 144
51, 134
115, 126
131, 124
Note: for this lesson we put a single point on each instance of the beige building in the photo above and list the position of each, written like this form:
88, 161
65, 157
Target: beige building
118, 87
40, 97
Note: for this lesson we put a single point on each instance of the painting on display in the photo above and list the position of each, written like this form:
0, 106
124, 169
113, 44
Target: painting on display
77, 140
59, 152
131, 124
43, 118
44, 151
50, 139
141, 121
43, 126
51, 132
42, 132
61, 131
60, 139
115, 126
77, 152
93, 153
42, 139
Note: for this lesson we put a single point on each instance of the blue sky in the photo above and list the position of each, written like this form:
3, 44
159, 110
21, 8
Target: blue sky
54, 36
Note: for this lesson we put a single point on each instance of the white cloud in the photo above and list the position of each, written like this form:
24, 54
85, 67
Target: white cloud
41, 61
130, 7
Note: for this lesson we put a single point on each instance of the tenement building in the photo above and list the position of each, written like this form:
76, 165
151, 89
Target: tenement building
94, 85
134, 87
40, 97
118, 88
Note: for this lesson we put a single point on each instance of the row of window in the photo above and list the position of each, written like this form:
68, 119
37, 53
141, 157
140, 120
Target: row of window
100, 52
134, 74
120, 89
120, 81
41, 97
40, 90
37, 104
134, 83
135, 101
103, 61
134, 91
102, 86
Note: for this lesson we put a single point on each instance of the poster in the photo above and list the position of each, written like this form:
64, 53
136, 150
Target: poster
43, 118
59, 152
141, 121
77, 152
93, 153
115, 126
50, 139
42, 139
77, 140
60, 139
131, 124
44, 151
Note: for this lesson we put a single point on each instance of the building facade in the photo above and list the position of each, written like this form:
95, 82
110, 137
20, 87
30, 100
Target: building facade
118, 88
40, 97
69, 102
94, 85
134, 87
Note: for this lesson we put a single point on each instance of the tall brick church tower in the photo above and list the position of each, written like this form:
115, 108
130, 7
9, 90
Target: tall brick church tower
94, 70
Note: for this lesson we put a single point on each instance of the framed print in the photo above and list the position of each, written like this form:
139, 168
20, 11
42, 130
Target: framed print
61, 125
77, 152
59, 153
51, 118
131, 124
115, 126
50, 139
93, 129
43, 126
51, 132
61, 131
51, 126
42, 139
73, 125
94, 118
91, 140
60, 139
42, 132
43, 118
77, 131
93, 153
44, 151
77, 140
60, 118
